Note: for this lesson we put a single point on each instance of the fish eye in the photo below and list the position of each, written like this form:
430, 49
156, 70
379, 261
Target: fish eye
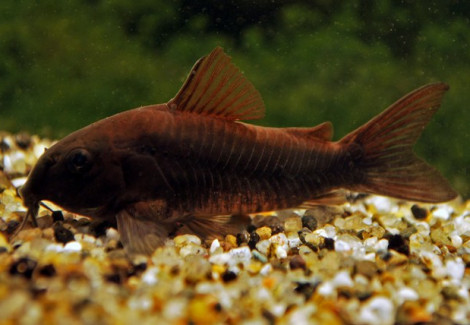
79, 161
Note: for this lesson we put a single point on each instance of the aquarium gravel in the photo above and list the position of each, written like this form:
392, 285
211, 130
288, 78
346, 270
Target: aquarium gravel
373, 260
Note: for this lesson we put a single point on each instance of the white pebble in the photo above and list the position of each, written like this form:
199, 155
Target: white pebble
382, 245
378, 310
112, 233
214, 246
150, 276
407, 293
85, 238
442, 212
240, 255
346, 242
294, 242
174, 308
456, 240
39, 149
220, 259
342, 246
455, 268
73, 246
278, 309
382, 204
326, 289
279, 239
343, 279
192, 249
281, 252
263, 246
266, 269
17, 182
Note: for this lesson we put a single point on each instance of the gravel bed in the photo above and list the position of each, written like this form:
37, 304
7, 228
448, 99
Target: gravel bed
373, 260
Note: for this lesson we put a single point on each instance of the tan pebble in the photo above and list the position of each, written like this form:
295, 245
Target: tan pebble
367, 268
231, 240
219, 269
440, 237
4, 242
397, 259
182, 240
264, 232
413, 312
45, 221
112, 244
314, 239
353, 222
48, 233
374, 231
269, 282
201, 310
292, 224
254, 267
29, 234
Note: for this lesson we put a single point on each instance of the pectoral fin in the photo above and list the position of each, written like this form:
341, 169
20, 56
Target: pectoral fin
210, 227
336, 197
140, 235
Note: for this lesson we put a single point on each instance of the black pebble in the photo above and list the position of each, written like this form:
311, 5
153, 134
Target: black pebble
24, 266
297, 262
254, 239
385, 255
23, 140
309, 222
11, 226
269, 316
98, 228
141, 267
47, 270
113, 278
276, 229
306, 288
57, 216
399, 244
218, 307
4, 145
418, 212
329, 243
242, 237
251, 228
228, 276
62, 234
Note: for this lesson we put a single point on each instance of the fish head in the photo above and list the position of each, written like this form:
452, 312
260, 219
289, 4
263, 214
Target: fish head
80, 173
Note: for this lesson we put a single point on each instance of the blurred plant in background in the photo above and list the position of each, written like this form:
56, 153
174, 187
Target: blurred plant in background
64, 65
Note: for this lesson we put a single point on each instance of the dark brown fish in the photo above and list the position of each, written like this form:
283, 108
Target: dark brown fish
188, 165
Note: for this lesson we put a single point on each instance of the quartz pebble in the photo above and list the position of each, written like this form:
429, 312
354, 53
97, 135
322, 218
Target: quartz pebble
372, 261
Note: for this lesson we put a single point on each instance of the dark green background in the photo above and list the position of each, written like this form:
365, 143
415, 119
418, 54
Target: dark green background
65, 64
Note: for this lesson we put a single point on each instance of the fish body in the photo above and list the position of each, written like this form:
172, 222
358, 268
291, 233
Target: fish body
191, 165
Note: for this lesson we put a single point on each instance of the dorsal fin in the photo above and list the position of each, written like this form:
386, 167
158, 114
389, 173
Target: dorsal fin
322, 131
215, 86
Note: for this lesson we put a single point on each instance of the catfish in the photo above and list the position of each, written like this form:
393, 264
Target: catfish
191, 166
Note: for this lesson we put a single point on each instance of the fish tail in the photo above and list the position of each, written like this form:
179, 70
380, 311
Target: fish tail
381, 152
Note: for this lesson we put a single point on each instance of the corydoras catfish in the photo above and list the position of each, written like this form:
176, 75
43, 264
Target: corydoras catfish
191, 165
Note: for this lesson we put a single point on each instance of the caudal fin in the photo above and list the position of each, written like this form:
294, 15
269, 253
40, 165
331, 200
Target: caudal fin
386, 160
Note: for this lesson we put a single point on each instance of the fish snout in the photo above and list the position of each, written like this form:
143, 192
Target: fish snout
25, 194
